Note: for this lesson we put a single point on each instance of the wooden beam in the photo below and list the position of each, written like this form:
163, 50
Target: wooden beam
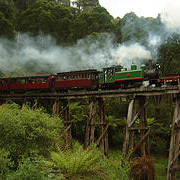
174, 143
93, 112
127, 135
143, 123
137, 115
175, 158
103, 133
65, 131
138, 128
138, 145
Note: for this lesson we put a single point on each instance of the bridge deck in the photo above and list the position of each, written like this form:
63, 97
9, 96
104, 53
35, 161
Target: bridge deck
77, 94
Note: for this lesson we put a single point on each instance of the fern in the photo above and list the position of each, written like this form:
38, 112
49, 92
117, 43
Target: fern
143, 168
79, 162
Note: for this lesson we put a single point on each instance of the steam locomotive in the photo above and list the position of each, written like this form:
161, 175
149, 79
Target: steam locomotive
109, 78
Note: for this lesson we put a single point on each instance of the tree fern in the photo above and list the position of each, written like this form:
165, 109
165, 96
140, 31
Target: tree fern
80, 162
142, 168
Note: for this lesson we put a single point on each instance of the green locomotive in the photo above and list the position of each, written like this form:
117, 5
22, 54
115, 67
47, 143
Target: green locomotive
121, 77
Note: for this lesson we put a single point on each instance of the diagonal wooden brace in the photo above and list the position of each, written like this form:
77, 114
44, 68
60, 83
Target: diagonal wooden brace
103, 133
137, 115
139, 143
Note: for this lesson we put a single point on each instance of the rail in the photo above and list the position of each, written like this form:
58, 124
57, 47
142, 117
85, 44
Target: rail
78, 94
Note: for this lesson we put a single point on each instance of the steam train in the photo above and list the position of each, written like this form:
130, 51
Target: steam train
109, 78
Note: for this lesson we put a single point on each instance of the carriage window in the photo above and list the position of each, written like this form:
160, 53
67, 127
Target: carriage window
31, 80
3, 81
45, 80
39, 80
60, 77
22, 81
88, 76
110, 72
93, 76
42, 80
13, 80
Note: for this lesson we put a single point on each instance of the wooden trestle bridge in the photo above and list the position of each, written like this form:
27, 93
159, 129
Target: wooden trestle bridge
137, 97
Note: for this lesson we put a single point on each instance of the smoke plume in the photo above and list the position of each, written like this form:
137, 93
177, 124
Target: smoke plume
171, 15
41, 54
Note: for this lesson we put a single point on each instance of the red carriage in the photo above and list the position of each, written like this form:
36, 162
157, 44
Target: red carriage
38, 82
87, 79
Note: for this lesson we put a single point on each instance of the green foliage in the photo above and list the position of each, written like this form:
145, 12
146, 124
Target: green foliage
114, 167
169, 55
7, 21
137, 29
78, 112
24, 130
5, 163
160, 167
79, 163
99, 20
32, 168
47, 17
116, 109
78, 116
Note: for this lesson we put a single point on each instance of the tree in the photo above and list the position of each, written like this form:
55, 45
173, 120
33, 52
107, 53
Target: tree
20, 4
169, 55
48, 18
86, 5
7, 21
99, 20
137, 29
63, 2
117, 29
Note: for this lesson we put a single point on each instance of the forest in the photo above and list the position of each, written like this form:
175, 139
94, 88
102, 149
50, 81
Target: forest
30, 142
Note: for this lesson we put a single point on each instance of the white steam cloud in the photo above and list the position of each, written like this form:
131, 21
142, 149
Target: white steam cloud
126, 54
171, 14
42, 55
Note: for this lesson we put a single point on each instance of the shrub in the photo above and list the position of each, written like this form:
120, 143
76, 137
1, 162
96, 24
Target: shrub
5, 163
24, 130
32, 168
114, 166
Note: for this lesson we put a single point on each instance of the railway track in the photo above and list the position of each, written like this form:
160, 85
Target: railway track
73, 94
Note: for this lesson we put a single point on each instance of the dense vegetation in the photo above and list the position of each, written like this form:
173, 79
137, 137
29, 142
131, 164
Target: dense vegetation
31, 148
29, 139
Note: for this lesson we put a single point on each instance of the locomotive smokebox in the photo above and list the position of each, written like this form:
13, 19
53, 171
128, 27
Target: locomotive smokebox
152, 73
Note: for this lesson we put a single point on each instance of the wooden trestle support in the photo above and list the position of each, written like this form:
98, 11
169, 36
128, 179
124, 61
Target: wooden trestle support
67, 122
174, 151
132, 128
97, 112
